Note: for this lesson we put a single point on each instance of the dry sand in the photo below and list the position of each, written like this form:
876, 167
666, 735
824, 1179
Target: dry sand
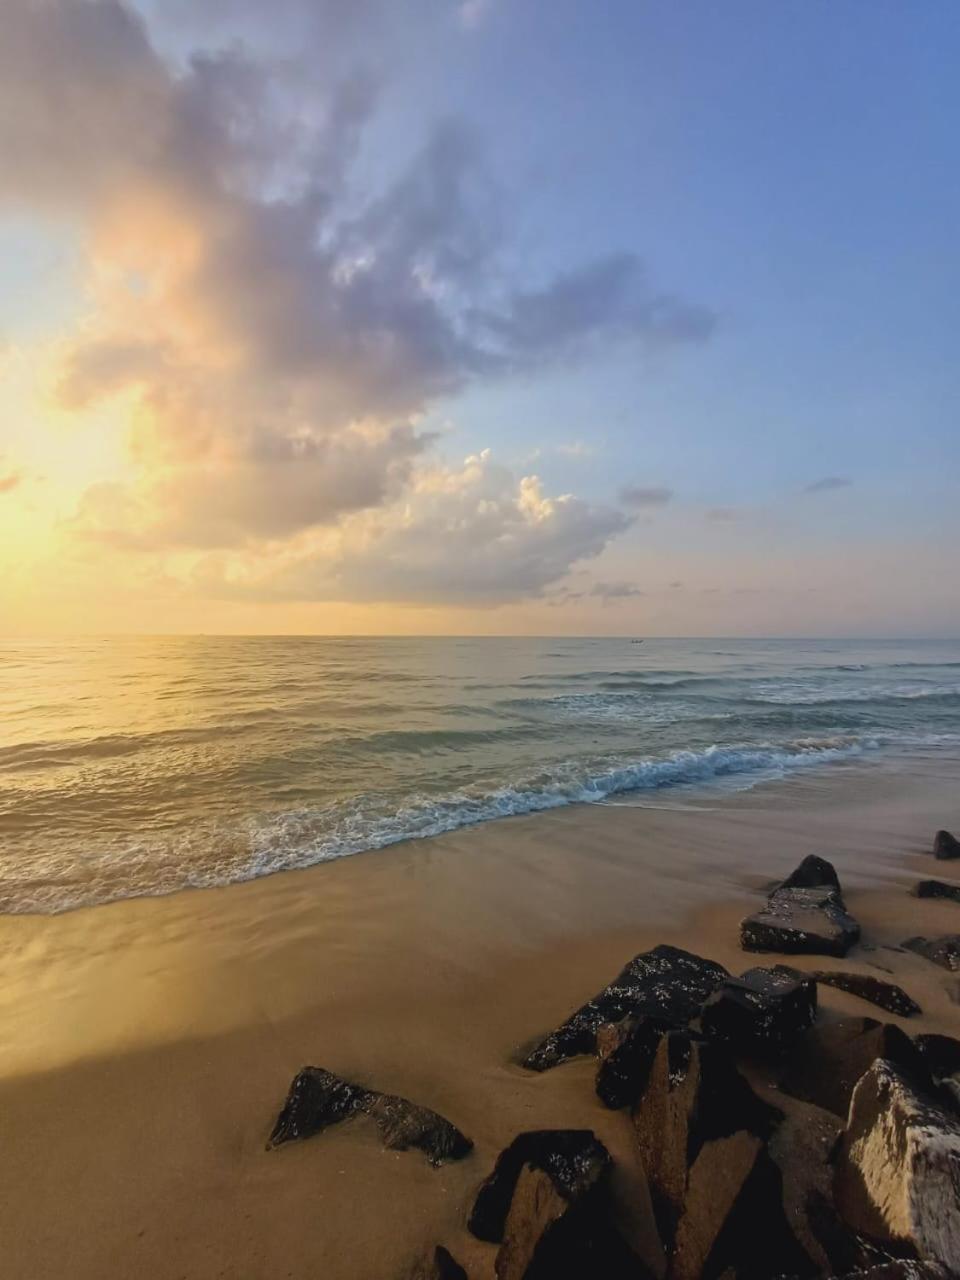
146, 1046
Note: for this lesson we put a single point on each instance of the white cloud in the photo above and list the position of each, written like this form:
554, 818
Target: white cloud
471, 534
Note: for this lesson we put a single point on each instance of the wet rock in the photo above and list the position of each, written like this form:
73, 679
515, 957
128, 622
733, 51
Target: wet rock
801, 921
545, 1204
900, 1269
886, 995
574, 1159
812, 873
945, 846
318, 1099
936, 889
941, 1057
701, 1133
941, 1054
829, 1060
898, 1166
665, 983
441, 1265
943, 951
548, 1237
626, 1051
762, 1011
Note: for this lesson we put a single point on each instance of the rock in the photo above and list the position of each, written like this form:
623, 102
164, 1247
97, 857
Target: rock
827, 1063
545, 1204
701, 1132
936, 889
626, 1051
801, 922
886, 995
665, 983
812, 873
941, 1054
318, 1099
764, 1010
941, 1057
898, 1166
945, 846
548, 1237
574, 1159
441, 1265
943, 951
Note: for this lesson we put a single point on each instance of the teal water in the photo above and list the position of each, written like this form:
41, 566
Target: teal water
141, 766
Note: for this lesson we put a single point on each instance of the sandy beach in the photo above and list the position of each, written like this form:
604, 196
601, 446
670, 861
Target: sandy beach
147, 1045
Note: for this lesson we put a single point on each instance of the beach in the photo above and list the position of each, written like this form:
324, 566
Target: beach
148, 1044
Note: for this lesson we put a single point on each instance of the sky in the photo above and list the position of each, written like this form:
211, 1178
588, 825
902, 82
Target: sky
480, 317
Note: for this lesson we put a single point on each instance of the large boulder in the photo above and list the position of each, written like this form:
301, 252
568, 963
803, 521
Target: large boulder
804, 915
827, 1062
936, 889
318, 1099
945, 846
665, 983
763, 1011
943, 951
545, 1203
898, 1166
702, 1134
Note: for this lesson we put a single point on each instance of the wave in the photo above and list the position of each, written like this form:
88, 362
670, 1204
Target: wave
205, 857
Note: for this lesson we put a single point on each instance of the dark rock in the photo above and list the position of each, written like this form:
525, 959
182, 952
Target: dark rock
898, 1166
701, 1131
901, 1269
936, 889
829, 1060
941, 1054
764, 1010
665, 983
318, 1099
812, 873
574, 1160
545, 1203
548, 1237
626, 1051
943, 951
801, 922
945, 846
441, 1265
886, 995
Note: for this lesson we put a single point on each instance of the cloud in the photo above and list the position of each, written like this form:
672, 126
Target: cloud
639, 497
276, 327
9, 481
828, 483
468, 535
723, 515
576, 449
609, 591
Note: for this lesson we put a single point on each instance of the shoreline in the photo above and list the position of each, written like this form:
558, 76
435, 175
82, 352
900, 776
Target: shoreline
148, 1043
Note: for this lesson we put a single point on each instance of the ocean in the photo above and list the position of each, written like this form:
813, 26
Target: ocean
133, 766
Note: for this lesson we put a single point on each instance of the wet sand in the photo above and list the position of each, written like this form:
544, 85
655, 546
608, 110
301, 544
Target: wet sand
146, 1046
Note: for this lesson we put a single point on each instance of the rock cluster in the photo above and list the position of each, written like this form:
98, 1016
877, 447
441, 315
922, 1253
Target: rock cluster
773, 1144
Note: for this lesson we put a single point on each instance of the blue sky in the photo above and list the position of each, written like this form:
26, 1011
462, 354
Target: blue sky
788, 170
